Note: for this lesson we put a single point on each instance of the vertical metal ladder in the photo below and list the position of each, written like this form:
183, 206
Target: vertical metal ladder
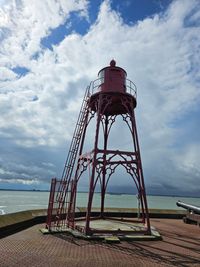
73, 150
62, 194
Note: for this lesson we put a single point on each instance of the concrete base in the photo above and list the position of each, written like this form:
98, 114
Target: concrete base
109, 224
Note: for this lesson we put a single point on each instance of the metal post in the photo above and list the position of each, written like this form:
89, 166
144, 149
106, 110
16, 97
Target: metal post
143, 192
94, 162
103, 185
51, 203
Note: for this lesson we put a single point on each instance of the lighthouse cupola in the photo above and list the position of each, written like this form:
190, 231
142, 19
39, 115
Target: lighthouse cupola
112, 78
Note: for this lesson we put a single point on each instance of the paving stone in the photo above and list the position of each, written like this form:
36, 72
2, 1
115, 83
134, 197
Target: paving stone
180, 247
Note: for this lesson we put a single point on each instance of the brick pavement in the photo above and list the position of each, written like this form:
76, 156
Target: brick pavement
180, 247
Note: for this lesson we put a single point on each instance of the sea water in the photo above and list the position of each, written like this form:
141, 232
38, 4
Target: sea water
14, 201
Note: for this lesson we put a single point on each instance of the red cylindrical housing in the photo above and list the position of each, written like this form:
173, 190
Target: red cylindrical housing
112, 83
113, 79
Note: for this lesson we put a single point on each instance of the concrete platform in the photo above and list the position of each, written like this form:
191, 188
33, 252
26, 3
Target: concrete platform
179, 247
109, 225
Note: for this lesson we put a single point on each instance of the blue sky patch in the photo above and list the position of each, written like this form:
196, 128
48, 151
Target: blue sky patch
93, 10
75, 23
21, 71
132, 11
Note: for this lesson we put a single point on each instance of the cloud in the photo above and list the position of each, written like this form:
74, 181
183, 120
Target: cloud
7, 74
160, 54
17, 49
20, 181
28, 23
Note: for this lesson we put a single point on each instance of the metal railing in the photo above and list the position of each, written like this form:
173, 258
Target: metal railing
131, 88
95, 87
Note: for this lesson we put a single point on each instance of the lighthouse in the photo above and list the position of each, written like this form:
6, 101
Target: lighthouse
111, 95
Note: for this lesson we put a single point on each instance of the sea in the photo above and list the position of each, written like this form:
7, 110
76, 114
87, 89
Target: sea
15, 201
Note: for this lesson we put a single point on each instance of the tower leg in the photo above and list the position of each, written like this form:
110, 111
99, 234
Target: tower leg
142, 192
94, 163
103, 182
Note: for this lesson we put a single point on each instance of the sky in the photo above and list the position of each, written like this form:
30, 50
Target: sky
50, 50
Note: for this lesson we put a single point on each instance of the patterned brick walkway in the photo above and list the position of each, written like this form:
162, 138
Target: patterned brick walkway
180, 247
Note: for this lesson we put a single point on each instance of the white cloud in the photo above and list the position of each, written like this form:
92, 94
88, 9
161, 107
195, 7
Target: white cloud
7, 74
28, 23
20, 181
160, 54
27, 171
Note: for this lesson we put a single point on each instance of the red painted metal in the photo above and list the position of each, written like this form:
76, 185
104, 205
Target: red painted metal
62, 188
51, 203
113, 78
109, 96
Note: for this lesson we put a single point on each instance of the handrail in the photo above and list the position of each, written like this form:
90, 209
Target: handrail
131, 88
94, 87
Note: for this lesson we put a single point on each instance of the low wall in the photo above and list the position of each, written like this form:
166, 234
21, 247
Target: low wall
15, 222
122, 212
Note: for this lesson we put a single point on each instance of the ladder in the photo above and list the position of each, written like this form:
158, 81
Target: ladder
63, 189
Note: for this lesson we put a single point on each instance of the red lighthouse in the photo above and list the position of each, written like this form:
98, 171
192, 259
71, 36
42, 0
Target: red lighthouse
108, 97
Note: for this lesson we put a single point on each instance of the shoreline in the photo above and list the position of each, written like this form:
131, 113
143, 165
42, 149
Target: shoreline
108, 193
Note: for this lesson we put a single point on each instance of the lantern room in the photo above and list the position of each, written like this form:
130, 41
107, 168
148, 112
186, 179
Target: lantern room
112, 82
112, 79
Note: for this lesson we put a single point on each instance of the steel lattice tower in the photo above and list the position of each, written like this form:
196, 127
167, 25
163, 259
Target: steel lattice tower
111, 95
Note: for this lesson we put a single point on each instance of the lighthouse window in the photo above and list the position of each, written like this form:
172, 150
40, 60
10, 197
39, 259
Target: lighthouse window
101, 76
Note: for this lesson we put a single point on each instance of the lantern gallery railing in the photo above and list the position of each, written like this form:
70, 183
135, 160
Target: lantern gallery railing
95, 87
